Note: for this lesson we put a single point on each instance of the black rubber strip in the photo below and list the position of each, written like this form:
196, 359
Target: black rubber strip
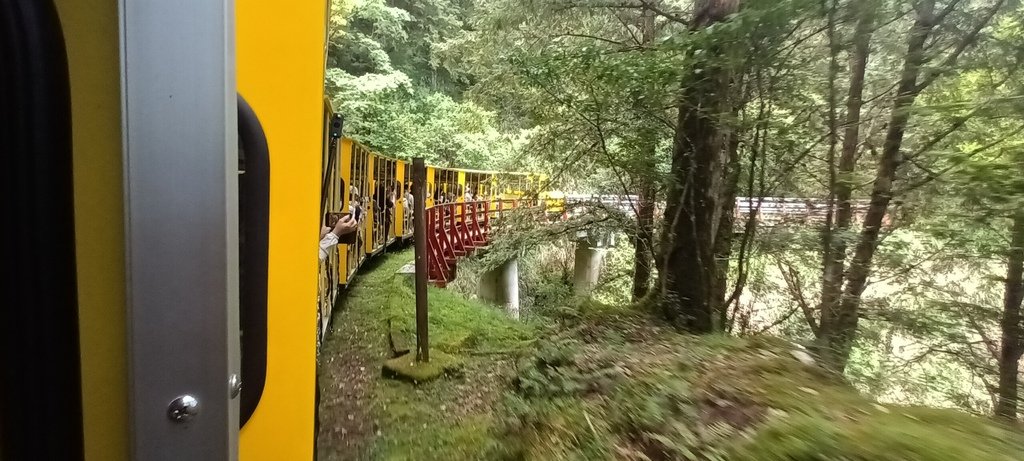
254, 242
40, 384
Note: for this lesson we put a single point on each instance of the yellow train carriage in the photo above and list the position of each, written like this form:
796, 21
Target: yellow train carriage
373, 188
332, 191
194, 148
190, 157
280, 71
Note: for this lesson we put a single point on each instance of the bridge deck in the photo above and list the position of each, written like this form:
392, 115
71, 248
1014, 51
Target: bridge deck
457, 229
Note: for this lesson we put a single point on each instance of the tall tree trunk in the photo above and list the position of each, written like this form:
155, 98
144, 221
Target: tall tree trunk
694, 203
834, 48
1012, 331
644, 238
724, 238
835, 256
844, 326
828, 231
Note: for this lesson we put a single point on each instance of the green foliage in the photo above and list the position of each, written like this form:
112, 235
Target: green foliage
925, 314
554, 371
383, 78
553, 429
728, 399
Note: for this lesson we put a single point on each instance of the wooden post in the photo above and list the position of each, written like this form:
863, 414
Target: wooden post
419, 180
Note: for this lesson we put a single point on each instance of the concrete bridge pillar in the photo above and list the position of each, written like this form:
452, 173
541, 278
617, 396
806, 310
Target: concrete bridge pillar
501, 286
587, 266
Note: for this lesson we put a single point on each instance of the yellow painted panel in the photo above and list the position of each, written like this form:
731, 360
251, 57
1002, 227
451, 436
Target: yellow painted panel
371, 167
91, 32
462, 186
280, 66
430, 192
400, 229
345, 172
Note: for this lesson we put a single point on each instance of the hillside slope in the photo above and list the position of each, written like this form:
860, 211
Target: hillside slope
597, 382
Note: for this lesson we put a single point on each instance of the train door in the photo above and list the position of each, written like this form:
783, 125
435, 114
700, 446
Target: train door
460, 181
383, 213
393, 190
458, 178
439, 186
431, 190
280, 74
372, 197
401, 199
408, 227
359, 195
347, 254
491, 190
445, 185
451, 187
478, 186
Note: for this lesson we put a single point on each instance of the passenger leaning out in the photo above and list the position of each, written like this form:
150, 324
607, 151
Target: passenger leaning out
329, 237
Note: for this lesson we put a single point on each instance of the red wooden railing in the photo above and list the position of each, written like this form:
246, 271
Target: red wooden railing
457, 229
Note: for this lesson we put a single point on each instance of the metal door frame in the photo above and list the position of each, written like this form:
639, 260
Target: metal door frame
181, 216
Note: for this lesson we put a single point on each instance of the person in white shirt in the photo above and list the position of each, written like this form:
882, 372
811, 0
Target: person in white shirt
329, 237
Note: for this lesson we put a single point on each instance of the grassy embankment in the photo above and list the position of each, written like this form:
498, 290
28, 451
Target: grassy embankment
586, 381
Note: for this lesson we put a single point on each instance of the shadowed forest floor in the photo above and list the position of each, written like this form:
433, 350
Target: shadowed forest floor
582, 381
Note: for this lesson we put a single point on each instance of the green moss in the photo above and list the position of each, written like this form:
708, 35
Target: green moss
897, 434
470, 440
457, 325
407, 368
430, 422
447, 419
